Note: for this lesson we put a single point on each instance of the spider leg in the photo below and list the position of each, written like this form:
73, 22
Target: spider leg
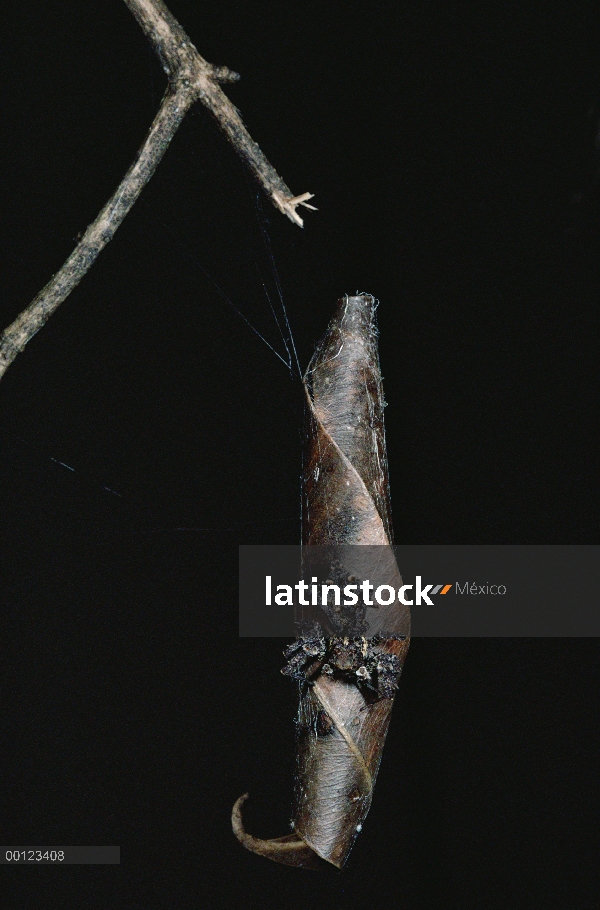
291, 649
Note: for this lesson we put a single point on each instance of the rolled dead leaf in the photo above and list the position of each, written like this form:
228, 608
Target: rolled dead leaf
347, 684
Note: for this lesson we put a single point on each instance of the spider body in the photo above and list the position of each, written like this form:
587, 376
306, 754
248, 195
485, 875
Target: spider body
360, 660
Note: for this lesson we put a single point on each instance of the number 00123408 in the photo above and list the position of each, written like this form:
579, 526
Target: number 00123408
34, 856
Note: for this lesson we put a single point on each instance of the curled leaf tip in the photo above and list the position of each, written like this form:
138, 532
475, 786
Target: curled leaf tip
290, 850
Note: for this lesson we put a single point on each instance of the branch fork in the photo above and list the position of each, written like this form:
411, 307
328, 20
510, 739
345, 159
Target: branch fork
190, 78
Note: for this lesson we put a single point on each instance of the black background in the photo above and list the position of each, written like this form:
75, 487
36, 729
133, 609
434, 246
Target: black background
451, 152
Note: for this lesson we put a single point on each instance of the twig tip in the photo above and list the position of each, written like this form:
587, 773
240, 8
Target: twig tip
288, 206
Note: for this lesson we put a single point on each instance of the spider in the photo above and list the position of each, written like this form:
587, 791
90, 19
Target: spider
360, 660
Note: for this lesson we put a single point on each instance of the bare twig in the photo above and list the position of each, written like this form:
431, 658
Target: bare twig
191, 79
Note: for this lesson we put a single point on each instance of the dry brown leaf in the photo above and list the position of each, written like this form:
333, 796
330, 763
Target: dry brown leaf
341, 726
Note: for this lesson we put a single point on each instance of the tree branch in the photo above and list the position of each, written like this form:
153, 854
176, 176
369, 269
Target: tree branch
191, 79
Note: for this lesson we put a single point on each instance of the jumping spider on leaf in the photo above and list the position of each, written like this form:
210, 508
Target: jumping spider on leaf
360, 660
